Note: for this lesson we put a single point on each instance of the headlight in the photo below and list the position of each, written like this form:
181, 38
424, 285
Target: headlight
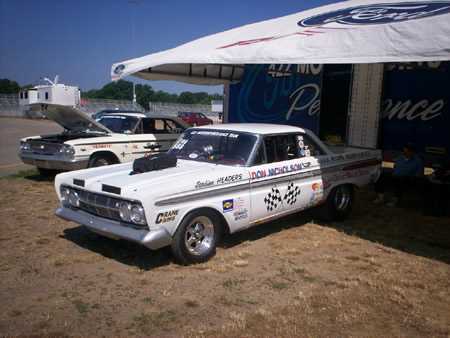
74, 199
131, 212
24, 146
70, 197
67, 150
65, 192
124, 210
137, 214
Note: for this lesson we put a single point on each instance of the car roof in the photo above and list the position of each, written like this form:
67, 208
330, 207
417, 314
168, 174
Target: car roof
125, 113
139, 114
256, 128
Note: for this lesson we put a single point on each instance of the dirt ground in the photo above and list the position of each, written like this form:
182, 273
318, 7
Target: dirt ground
383, 272
14, 129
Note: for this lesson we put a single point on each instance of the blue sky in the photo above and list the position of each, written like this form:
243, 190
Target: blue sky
80, 39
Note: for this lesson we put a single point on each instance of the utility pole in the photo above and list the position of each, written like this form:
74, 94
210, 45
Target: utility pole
133, 4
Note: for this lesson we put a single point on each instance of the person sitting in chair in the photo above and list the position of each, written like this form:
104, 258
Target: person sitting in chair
407, 168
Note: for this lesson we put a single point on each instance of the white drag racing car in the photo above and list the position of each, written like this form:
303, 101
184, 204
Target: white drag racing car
227, 178
85, 142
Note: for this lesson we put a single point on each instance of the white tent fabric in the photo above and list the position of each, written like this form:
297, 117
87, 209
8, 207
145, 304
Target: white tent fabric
356, 31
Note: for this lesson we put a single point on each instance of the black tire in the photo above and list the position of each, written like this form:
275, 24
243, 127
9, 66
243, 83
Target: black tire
203, 242
47, 173
100, 160
338, 205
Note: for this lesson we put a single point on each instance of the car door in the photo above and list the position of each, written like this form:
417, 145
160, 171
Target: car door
153, 135
282, 178
166, 131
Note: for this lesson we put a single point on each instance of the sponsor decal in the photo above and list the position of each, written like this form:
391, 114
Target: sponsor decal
214, 133
180, 144
229, 179
228, 205
341, 175
219, 181
99, 146
167, 216
203, 184
119, 69
279, 170
240, 214
193, 156
376, 14
316, 194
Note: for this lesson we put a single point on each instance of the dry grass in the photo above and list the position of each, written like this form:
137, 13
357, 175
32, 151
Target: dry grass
384, 272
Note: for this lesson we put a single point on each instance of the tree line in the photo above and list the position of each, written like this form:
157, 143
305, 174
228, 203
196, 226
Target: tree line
123, 90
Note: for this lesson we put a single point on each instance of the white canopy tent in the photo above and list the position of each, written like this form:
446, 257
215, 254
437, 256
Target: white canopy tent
356, 31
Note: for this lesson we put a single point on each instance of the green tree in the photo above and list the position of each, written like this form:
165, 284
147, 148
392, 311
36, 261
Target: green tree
187, 98
9, 87
123, 90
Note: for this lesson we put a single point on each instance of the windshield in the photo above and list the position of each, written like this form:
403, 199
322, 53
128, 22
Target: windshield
214, 146
119, 123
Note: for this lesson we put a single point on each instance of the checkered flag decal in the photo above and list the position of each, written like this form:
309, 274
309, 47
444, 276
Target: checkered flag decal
273, 199
291, 194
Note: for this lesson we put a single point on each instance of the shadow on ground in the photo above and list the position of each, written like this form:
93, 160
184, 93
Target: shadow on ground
122, 251
404, 228
257, 232
398, 228
34, 175
135, 255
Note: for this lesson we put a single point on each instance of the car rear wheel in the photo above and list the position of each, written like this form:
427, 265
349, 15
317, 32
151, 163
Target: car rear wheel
196, 238
338, 204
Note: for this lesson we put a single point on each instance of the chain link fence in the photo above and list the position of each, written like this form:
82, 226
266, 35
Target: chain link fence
9, 107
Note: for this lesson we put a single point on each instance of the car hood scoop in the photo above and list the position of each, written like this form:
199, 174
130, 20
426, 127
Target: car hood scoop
153, 162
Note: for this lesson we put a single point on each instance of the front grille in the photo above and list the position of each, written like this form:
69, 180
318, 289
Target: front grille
99, 205
44, 148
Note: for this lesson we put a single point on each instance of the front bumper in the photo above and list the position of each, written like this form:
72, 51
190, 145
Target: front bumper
153, 239
53, 162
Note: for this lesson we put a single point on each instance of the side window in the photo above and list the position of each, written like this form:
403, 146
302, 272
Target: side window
138, 129
259, 157
281, 148
170, 126
307, 147
46, 95
148, 126
159, 126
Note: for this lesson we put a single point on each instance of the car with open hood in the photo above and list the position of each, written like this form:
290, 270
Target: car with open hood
113, 138
214, 180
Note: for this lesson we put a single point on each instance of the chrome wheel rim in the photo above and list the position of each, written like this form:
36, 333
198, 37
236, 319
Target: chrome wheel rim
342, 198
199, 235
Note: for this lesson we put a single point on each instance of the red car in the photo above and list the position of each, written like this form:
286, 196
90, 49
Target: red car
194, 119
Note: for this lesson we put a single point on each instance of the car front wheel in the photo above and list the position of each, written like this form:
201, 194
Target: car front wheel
100, 161
196, 238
